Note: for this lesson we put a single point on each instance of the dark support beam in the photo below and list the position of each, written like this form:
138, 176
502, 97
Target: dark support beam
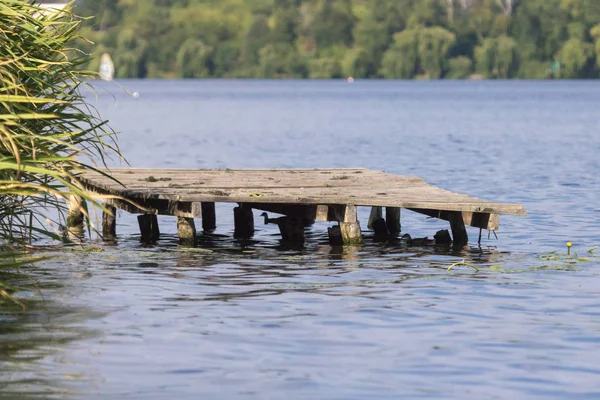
109, 221
490, 222
135, 205
209, 217
307, 213
392, 218
244, 222
148, 227
186, 230
459, 232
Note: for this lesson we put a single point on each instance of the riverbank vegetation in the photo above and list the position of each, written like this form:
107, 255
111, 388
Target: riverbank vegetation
338, 38
48, 134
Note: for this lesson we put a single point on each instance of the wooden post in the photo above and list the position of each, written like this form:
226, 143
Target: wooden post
335, 236
186, 230
351, 233
376, 213
109, 221
392, 218
209, 218
322, 213
307, 222
148, 227
75, 216
349, 226
459, 232
381, 229
244, 222
292, 229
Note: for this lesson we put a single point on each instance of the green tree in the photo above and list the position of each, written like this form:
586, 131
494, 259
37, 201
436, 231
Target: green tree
296, 65
325, 68
359, 63
372, 35
362, 38
225, 59
595, 34
333, 23
193, 59
459, 68
257, 37
400, 60
271, 64
393, 15
575, 57
428, 13
131, 55
106, 12
285, 30
433, 47
540, 28
497, 58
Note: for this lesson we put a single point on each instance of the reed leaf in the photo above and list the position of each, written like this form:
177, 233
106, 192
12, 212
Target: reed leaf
49, 136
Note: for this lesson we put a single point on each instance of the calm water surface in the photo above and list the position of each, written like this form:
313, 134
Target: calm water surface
256, 320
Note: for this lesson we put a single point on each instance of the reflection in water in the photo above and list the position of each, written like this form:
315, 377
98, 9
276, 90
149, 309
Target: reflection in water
33, 339
170, 312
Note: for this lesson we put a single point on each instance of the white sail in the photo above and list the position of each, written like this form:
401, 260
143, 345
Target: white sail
107, 68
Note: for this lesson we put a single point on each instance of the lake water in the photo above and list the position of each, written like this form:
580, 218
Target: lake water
259, 321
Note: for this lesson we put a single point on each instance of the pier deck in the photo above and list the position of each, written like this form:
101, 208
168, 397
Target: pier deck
318, 194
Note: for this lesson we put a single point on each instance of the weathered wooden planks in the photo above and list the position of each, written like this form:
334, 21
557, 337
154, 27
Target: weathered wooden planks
303, 196
359, 187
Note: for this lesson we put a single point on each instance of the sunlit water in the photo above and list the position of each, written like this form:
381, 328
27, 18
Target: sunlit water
256, 320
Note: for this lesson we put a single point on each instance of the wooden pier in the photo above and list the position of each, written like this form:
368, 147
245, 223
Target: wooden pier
300, 195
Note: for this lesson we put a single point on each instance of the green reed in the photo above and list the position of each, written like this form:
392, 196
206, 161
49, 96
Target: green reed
48, 134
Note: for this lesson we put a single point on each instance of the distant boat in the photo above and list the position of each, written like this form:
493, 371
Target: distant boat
107, 68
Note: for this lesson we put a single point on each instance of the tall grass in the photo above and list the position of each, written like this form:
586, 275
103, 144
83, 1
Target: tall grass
48, 134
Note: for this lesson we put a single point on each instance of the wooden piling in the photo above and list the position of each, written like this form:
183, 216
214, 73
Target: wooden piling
292, 229
380, 228
186, 230
148, 228
376, 213
209, 218
351, 234
392, 219
109, 221
75, 216
349, 225
244, 222
459, 232
335, 236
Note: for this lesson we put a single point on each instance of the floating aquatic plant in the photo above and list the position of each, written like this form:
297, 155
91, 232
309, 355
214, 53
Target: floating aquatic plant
558, 262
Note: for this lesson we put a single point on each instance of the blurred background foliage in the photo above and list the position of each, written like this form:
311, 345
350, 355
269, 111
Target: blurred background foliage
426, 39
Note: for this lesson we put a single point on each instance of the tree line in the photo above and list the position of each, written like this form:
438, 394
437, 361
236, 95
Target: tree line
394, 39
